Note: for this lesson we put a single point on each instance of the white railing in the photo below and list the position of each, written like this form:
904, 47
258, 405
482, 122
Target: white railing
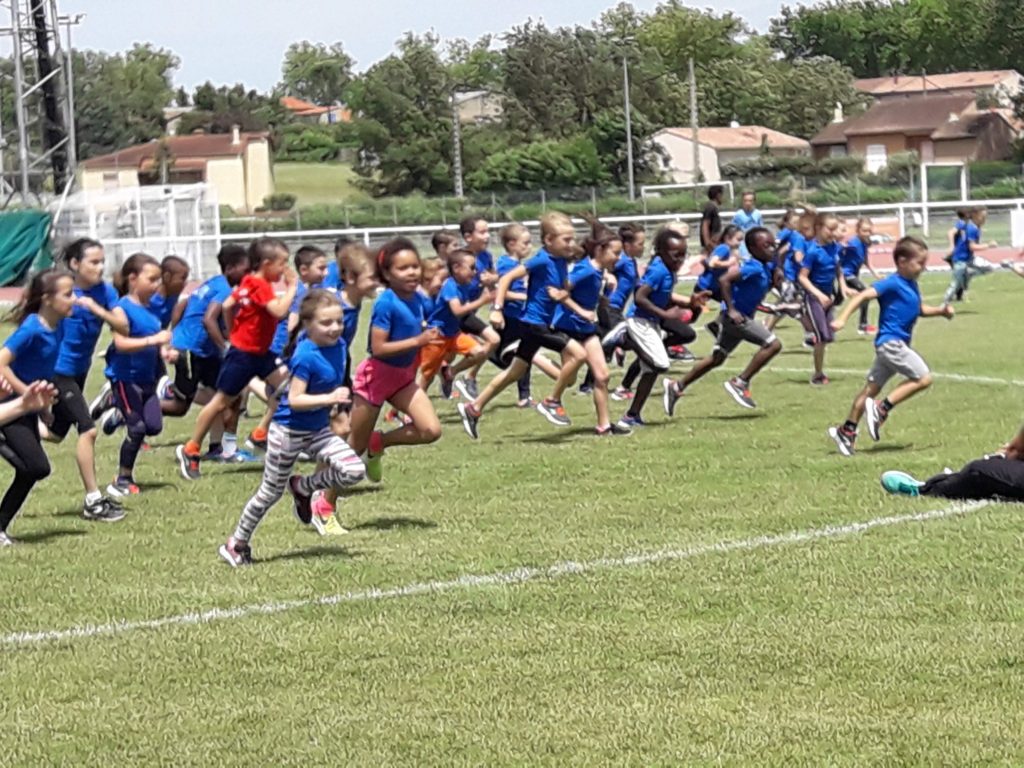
200, 250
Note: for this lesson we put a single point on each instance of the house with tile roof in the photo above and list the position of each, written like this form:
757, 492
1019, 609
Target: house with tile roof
236, 165
717, 147
307, 111
1000, 84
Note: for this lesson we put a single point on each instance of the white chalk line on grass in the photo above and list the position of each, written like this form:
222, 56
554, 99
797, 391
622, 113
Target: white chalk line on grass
475, 581
961, 377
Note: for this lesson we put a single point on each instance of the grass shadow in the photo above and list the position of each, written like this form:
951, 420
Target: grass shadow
56, 533
394, 523
742, 416
887, 448
311, 553
562, 435
155, 485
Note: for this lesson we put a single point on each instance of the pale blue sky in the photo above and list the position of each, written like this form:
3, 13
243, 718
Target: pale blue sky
230, 41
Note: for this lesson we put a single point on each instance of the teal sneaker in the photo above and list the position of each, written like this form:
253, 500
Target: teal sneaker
901, 483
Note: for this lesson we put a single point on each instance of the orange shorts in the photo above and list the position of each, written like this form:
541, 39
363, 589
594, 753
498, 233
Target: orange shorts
435, 354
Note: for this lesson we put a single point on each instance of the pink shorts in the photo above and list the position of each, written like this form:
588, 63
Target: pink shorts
377, 382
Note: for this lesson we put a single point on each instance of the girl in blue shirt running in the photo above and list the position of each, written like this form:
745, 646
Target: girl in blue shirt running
28, 356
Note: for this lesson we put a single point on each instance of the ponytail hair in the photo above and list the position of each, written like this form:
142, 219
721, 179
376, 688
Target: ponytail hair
132, 266
600, 236
43, 284
907, 248
75, 251
311, 302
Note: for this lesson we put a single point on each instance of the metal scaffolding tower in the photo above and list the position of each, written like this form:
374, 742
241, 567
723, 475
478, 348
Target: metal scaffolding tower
41, 82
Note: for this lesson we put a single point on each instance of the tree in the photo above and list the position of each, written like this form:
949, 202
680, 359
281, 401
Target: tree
317, 73
219, 109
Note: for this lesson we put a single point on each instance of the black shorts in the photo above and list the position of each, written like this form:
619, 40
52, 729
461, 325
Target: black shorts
473, 325
192, 371
536, 337
239, 368
608, 317
70, 406
580, 336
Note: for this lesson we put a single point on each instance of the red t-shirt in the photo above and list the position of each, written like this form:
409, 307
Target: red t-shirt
254, 327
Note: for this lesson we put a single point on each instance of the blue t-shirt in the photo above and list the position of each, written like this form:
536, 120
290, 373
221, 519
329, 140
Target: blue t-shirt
190, 333
752, 286
323, 370
82, 330
280, 340
626, 274
139, 367
484, 263
853, 256
585, 289
790, 267
746, 221
34, 347
900, 302
708, 281
332, 280
513, 308
545, 272
442, 316
402, 319
820, 262
661, 280
350, 316
163, 307
962, 251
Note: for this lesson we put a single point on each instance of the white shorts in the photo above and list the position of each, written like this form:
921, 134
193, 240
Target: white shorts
646, 337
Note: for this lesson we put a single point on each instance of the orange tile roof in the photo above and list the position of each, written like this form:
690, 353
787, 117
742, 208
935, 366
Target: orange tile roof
909, 84
741, 137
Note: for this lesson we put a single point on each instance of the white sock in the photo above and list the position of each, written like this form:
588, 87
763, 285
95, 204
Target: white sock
92, 497
229, 444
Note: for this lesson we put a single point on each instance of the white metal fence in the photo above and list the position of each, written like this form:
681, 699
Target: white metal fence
930, 220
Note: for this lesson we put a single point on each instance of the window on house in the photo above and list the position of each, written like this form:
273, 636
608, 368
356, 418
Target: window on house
110, 181
837, 150
875, 158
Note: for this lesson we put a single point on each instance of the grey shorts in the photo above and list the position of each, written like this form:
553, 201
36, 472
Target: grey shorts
790, 292
730, 335
895, 357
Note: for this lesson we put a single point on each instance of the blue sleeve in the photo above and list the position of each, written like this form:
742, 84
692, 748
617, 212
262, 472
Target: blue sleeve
449, 291
299, 365
538, 261
23, 338
808, 262
221, 293
973, 233
381, 317
884, 286
785, 236
110, 297
651, 276
721, 251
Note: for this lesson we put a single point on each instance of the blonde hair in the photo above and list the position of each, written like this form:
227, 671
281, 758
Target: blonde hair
512, 232
553, 221
354, 258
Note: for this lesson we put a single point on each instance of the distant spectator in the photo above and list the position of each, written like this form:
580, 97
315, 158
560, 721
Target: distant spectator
748, 217
711, 219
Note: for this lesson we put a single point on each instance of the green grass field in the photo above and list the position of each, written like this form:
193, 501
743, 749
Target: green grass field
313, 183
899, 644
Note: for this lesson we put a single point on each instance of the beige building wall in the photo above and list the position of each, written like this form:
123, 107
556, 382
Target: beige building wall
99, 179
679, 163
259, 176
227, 176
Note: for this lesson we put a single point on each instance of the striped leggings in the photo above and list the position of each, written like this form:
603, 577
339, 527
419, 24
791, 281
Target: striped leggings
340, 467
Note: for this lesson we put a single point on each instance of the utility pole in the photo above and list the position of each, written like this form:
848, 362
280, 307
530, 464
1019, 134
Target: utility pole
697, 175
629, 128
457, 148
69, 54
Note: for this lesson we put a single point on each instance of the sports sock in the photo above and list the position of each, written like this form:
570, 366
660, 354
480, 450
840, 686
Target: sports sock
92, 497
229, 445
849, 426
886, 406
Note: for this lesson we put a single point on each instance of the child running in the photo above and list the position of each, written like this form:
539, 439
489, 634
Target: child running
548, 273
964, 253
743, 288
94, 304
136, 364
388, 374
819, 272
475, 232
899, 298
26, 359
724, 256
301, 424
854, 255
253, 312
198, 338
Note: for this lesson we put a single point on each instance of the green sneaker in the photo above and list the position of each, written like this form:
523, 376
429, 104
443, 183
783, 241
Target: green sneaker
374, 457
901, 483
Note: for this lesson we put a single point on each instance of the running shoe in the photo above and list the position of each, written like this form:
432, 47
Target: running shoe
844, 440
622, 393
867, 330
470, 419
526, 402
447, 380
6, 541
901, 483
819, 380
613, 430
254, 443
553, 411
375, 457
236, 553
466, 388
103, 510
123, 486
810, 340
163, 388
875, 416
188, 463
669, 396
301, 507
111, 421
631, 422
325, 520
740, 393
714, 328
102, 401
681, 353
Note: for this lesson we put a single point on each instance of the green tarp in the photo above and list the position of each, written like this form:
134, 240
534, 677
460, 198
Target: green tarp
24, 244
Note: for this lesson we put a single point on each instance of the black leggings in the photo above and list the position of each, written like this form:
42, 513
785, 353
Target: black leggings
20, 447
677, 332
140, 406
981, 479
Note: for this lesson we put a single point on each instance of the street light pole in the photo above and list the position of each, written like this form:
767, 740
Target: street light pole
68, 22
629, 128
457, 148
